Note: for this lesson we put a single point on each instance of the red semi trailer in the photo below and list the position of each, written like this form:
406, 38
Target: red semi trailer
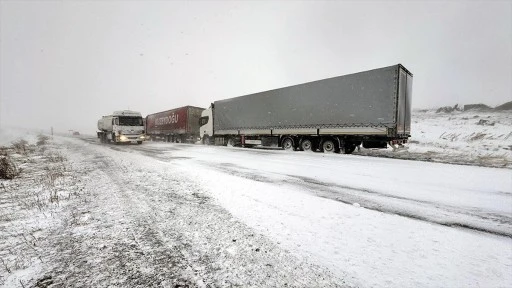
180, 125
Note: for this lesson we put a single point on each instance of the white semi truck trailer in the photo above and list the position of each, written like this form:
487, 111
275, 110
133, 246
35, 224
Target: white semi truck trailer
122, 127
371, 108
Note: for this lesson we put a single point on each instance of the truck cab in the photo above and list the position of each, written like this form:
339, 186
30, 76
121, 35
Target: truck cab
122, 127
206, 125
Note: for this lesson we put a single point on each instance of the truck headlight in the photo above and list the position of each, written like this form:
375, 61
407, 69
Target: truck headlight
123, 138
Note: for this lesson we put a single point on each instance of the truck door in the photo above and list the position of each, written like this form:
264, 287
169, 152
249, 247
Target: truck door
404, 102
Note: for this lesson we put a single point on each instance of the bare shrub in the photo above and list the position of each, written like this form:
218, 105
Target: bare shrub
55, 157
8, 169
42, 140
485, 122
477, 136
20, 146
51, 175
3, 150
49, 182
6, 267
449, 136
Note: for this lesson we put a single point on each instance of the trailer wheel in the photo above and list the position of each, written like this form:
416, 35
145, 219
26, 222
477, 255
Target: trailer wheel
306, 145
230, 142
349, 148
329, 147
288, 144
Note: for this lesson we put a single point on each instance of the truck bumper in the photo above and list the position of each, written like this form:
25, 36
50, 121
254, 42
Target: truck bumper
130, 138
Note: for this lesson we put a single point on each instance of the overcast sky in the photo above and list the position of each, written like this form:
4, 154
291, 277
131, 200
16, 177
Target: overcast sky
67, 63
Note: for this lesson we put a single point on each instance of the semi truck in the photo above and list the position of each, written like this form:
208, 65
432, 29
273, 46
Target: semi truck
180, 125
121, 127
370, 108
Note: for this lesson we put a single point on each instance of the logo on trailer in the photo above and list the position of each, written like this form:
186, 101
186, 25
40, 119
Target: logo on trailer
167, 120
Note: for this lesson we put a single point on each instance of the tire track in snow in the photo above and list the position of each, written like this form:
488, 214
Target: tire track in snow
385, 203
408, 207
166, 258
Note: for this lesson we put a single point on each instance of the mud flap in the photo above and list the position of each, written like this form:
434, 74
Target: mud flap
398, 147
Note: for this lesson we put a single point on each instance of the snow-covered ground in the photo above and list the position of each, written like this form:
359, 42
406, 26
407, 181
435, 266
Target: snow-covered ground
85, 215
482, 138
375, 222
162, 214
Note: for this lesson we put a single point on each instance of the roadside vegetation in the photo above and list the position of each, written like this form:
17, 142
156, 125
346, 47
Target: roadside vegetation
37, 186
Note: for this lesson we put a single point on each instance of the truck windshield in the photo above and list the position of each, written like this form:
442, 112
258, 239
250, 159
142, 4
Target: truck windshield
203, 120
130, 121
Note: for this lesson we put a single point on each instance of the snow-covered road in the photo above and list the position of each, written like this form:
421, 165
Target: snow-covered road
370, 221
178, 215
150, 224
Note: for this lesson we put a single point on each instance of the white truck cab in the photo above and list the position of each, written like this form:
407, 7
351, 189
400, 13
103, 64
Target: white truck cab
206, 125
122, 126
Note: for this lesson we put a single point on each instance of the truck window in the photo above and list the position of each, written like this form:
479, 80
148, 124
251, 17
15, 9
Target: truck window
130, 121
203, 120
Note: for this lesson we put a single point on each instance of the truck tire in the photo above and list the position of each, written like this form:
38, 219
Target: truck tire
329, 147
307, 145
206, 140
230, 142
139, 142
288, 144
349, 148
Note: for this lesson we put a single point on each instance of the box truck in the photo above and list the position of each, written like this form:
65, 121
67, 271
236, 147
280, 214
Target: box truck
176, 125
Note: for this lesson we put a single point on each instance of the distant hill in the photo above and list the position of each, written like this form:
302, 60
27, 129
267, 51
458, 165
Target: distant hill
468, 107
506, 106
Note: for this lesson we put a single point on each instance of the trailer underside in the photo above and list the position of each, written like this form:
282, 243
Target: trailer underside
335, 140
173, 137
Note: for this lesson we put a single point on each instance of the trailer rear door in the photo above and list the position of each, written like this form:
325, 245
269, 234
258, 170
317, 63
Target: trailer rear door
404, 102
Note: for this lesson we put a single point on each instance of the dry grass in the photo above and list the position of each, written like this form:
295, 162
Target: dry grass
20, 146
476, 136
55, 157
42, 140
41, 191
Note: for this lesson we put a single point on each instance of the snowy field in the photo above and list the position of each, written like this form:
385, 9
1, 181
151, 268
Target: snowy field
176, 215
471, 138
